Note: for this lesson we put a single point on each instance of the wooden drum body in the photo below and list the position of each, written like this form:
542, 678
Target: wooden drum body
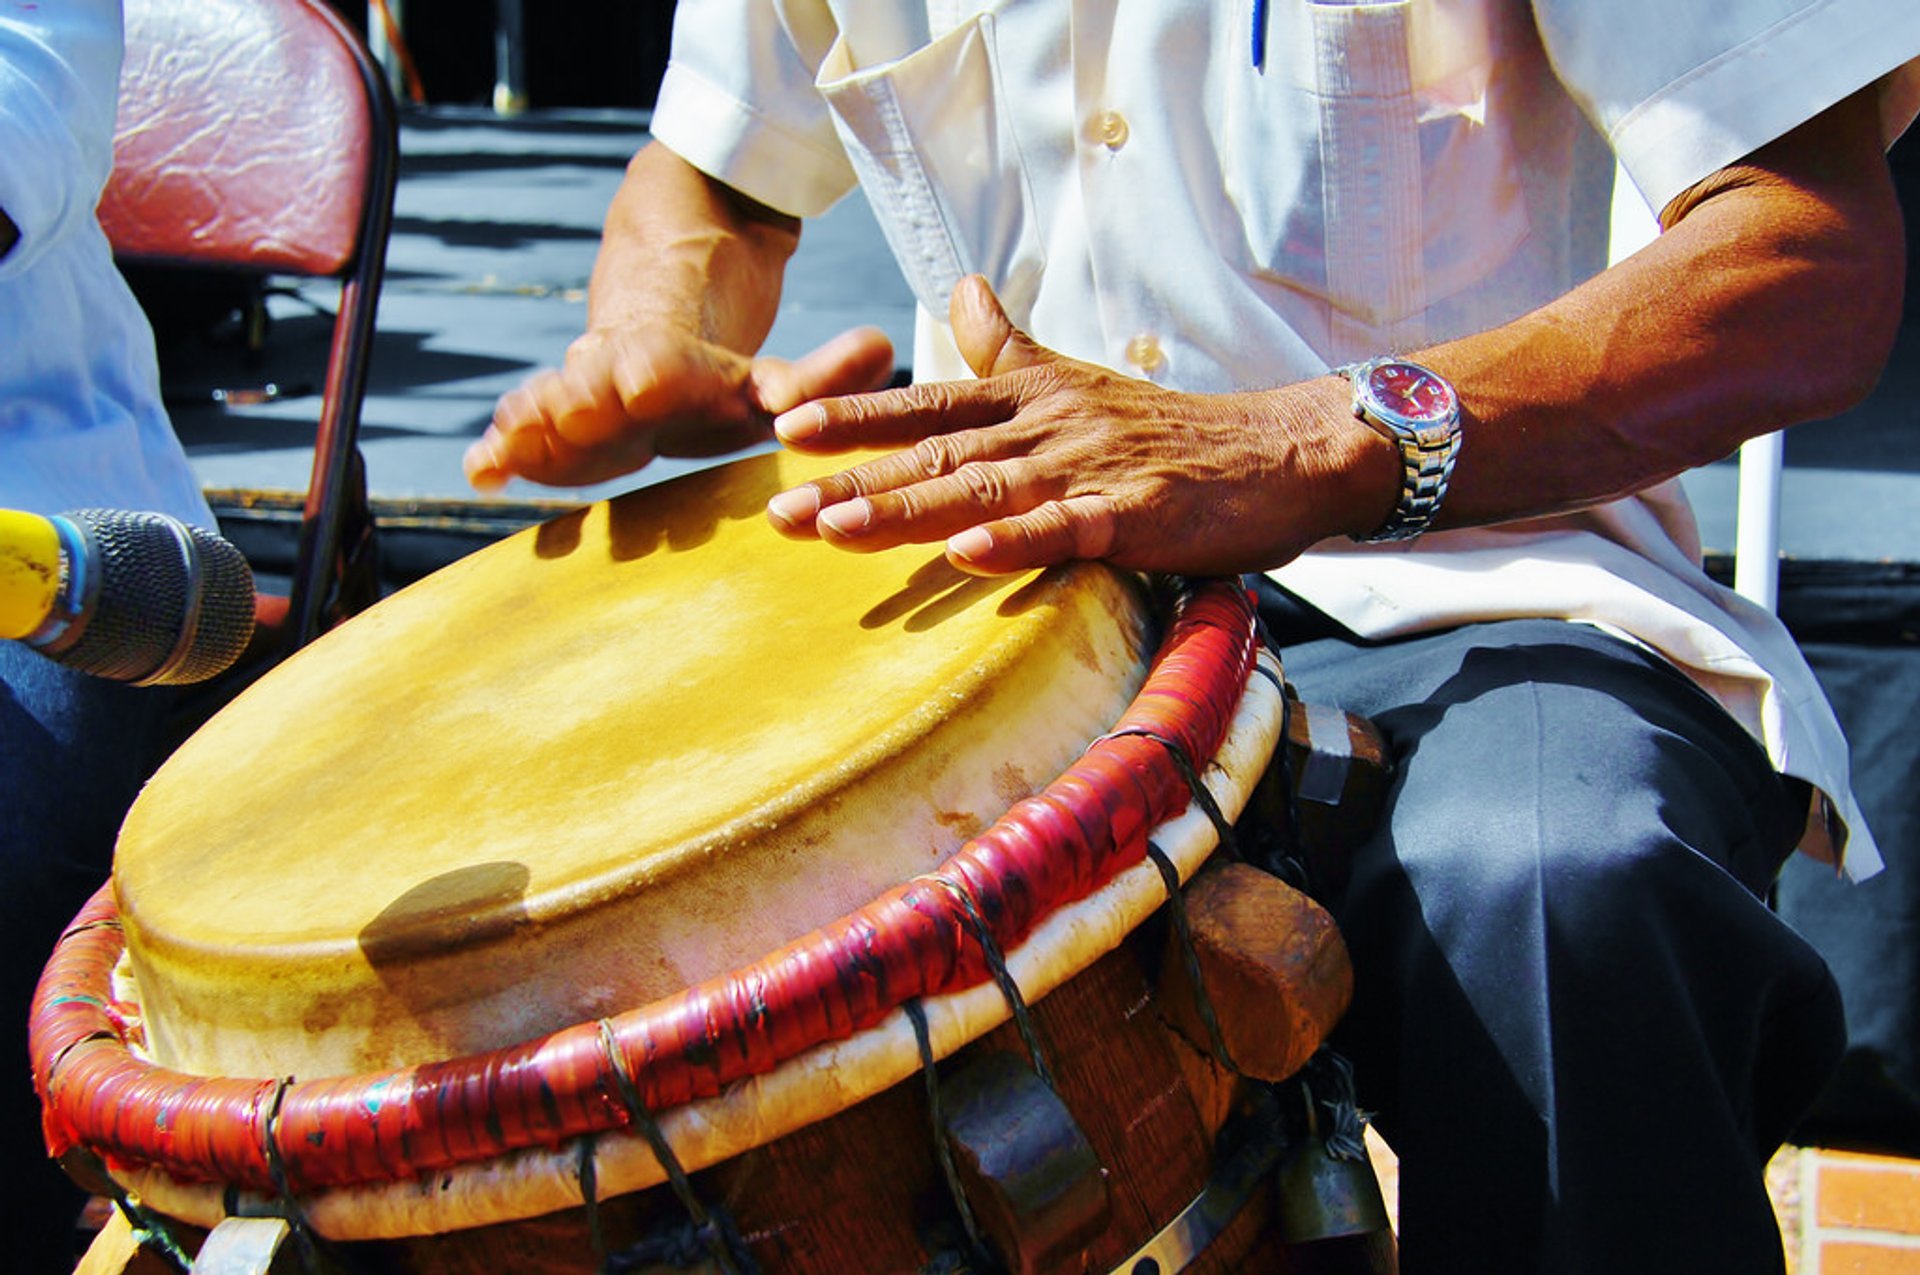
648, 815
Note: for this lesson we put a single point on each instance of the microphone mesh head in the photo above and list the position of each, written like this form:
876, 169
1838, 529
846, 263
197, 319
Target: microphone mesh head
142, 604
226, 610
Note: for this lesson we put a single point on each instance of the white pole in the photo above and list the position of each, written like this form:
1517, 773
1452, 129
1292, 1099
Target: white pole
1756, 549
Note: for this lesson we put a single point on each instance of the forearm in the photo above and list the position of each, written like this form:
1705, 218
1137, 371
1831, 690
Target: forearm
1772, 298
682, 250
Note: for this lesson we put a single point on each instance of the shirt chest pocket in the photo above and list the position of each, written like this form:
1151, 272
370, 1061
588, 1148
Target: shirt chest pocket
1363, 161
929, 135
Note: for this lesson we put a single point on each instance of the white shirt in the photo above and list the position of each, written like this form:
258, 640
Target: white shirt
81, 422
1143, 196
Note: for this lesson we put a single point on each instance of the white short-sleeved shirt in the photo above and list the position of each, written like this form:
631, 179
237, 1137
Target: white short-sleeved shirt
1225, 196
81, 420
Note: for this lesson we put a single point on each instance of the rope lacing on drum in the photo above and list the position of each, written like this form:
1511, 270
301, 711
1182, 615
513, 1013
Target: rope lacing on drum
1283, 860
1328, 1082
307, 1243
149, 1229
917, 1015
1190, 955
1202, 795
712, 1229
978, 1257
996, 963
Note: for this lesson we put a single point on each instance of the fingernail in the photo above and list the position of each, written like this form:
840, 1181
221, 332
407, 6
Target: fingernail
795, 508
971, 545
799, 425
849, 518
482, 467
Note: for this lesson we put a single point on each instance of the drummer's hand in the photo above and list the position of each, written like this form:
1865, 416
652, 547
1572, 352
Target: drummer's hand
1047, 459
626, 394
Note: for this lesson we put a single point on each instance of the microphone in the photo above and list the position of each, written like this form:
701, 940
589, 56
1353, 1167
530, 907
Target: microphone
136, 597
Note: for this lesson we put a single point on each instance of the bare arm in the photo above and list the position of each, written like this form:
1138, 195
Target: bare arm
1772, 298
684, 290
680, 250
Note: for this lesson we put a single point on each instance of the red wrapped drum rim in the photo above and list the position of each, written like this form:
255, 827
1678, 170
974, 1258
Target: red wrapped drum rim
913, 941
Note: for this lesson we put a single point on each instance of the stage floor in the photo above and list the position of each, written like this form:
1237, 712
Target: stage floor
496, 222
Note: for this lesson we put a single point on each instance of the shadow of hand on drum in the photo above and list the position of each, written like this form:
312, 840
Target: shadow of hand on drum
678, 516
937, 591
416, 940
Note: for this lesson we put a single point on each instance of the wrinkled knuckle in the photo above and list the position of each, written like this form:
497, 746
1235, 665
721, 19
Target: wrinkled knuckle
635, 373
933, 456
984, 485
589, 344
908, 505
836, 488
514, 408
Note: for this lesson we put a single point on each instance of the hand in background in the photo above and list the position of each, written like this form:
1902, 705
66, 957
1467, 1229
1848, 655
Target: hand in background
626, 394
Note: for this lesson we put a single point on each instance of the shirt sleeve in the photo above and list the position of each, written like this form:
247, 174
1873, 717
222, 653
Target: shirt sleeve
1681, 90
738, 101
59, 77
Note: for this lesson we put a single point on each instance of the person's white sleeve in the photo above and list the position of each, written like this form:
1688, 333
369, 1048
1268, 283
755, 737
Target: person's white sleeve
1681, 90
59, 77
738, 101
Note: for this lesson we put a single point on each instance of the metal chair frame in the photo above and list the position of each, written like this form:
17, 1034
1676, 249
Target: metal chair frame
190, 187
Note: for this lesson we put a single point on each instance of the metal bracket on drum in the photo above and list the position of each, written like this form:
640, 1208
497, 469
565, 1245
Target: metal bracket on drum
1328, 1210
1241, 1174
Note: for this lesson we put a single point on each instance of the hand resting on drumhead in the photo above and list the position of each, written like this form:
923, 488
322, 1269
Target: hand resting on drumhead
1045, 459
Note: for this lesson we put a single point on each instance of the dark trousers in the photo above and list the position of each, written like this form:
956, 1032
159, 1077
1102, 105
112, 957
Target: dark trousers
74, 751
1578, 1022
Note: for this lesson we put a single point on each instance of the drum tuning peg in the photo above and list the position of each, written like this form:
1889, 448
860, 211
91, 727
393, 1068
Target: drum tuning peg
1037, 1190
1272, 971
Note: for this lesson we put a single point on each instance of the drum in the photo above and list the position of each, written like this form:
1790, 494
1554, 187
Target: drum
648, 875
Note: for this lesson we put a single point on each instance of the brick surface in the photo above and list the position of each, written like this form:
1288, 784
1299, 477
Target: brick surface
1849, 1257
1874, 1193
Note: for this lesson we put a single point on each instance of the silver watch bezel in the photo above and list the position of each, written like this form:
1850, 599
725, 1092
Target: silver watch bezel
1428, 448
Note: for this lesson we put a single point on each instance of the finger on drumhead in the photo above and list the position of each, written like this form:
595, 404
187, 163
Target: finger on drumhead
892, 509
853, 362
795, 512
1080, 527
894, 418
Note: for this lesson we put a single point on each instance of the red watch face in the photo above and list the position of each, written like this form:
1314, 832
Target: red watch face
1412, 392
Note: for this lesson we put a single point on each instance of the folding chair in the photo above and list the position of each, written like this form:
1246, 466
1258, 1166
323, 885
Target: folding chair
258, 136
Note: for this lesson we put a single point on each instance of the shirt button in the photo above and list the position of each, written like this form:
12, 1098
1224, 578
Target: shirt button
1144, 352
1111, 128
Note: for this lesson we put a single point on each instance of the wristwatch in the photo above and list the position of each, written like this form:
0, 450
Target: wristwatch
1415, 409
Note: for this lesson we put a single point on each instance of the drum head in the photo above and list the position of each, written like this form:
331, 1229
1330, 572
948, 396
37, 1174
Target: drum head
588, 766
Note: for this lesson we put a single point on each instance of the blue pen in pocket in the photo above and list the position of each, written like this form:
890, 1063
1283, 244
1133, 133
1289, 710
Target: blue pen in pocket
1259, 35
